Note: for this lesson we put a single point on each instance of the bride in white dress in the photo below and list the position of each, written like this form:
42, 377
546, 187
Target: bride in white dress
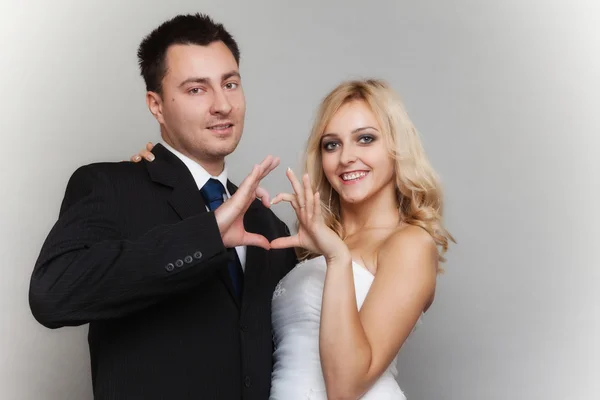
369, 214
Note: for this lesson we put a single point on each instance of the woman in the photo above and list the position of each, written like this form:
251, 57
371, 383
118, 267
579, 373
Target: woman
369, 211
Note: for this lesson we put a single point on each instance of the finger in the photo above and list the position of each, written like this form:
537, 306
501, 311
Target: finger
254, 239
149, 146
274, 164
264, 197
264, 165
285, 242
246, 192
318, 211
147, 155
290, 198
260, 192
254, 190
297, 187
136, 158
268, 165
308, 195
250, 180
250, 184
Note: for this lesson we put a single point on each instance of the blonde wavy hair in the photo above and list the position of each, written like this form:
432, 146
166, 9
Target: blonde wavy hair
420, 199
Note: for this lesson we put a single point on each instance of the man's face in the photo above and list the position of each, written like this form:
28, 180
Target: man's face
202, 107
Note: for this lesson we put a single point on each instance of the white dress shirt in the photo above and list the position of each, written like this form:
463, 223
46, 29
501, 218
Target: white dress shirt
201, 176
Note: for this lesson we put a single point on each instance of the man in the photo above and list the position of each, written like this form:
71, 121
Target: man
175, 285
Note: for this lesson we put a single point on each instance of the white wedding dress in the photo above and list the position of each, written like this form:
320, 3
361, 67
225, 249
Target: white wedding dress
296, 312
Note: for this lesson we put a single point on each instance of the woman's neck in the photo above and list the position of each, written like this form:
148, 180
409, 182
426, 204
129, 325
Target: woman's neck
377, 211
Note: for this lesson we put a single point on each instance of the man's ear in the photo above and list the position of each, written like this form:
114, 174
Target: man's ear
154, 102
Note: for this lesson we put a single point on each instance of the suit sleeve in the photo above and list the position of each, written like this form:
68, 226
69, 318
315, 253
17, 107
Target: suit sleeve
87, 271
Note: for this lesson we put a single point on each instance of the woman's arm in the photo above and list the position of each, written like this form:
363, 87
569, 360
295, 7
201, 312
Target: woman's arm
357, 347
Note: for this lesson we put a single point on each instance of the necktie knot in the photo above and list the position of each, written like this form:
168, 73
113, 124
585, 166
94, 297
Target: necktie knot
213, 192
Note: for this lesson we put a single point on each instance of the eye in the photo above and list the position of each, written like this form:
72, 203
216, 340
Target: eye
195, 91
366, 139
231, 85
330, 146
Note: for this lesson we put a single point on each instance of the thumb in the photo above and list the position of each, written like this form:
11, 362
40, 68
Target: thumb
254, 239
285, 242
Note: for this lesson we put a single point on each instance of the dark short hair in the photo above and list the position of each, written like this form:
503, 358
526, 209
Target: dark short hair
197, 29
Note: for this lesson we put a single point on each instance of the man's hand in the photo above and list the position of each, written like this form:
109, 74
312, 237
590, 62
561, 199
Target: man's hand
230, 215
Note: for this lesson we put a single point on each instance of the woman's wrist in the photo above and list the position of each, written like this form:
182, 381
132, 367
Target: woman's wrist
339, 257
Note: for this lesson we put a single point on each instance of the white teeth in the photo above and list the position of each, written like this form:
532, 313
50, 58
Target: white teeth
220, 126
353, 175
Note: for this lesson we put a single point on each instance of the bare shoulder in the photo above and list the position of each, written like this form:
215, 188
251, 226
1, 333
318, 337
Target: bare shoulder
408, 246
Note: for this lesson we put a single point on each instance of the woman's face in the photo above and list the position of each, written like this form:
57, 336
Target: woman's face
355, 158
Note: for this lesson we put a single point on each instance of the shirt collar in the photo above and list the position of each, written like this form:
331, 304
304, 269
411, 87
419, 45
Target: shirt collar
201, 176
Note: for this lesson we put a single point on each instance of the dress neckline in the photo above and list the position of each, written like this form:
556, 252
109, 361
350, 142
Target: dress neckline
360, 266
355, 264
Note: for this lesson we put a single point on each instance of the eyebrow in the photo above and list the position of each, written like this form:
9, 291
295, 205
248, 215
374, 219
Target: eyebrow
364, 128
357, 130
206, 81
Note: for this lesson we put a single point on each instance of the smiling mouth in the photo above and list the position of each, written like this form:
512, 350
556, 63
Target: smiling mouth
220, 127
355, 176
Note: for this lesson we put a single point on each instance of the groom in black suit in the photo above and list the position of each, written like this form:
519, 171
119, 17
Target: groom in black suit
168, 261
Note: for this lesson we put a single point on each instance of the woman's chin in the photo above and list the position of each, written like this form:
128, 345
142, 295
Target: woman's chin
354, 199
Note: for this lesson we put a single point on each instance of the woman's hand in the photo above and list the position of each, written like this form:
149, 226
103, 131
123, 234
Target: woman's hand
313, 234
146, 154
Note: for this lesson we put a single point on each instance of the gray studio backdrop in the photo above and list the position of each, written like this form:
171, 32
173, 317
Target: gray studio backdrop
505, 94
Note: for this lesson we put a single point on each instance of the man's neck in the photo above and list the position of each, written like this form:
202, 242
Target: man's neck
214, 167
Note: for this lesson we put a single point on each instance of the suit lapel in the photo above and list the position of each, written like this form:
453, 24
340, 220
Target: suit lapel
185, 203
186, 199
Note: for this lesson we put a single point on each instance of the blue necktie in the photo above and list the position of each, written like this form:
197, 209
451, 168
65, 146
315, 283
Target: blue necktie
213, 192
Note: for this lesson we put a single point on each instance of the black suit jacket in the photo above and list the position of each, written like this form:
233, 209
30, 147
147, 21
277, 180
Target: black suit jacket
136, 255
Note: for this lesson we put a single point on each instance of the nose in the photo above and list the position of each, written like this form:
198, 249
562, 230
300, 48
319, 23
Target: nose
348, 155
221, 104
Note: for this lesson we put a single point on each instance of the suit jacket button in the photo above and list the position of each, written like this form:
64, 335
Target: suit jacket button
197, 255
178, 263
169, 267
247, 381
188, 259
244, 327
